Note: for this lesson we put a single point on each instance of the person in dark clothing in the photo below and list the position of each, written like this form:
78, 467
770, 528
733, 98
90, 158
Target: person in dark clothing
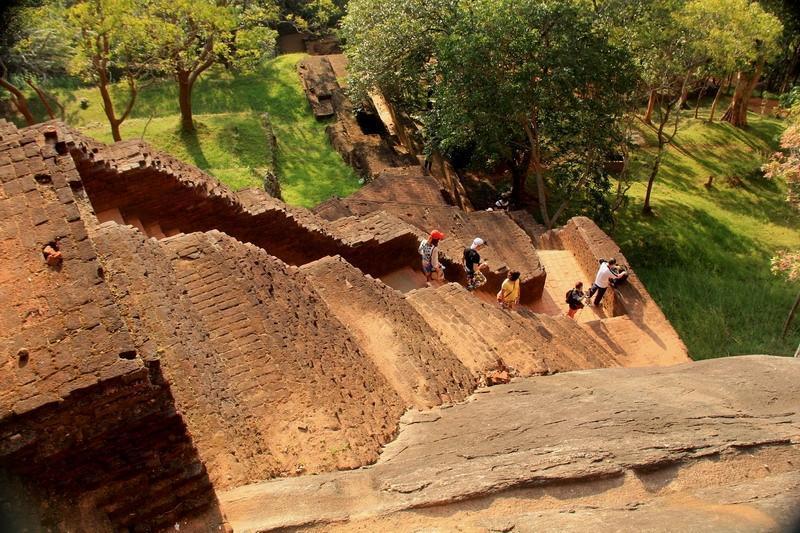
575, 298
473, 265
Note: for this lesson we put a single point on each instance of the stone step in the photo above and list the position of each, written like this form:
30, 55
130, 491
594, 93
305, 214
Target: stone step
391, 332
634, 343
486, 337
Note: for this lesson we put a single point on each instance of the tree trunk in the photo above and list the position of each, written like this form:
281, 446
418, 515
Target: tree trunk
789, 318
651, 104
108, 107
42, 98
716, 101
684, 90
699, 98
736, 113
185, 101
520, 165
647, 209
532, 132
19, 101
790, 68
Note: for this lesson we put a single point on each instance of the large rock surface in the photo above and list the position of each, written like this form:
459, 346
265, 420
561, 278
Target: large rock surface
568, 428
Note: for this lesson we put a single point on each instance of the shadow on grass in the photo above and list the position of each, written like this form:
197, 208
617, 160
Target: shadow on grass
713, 284
191, 144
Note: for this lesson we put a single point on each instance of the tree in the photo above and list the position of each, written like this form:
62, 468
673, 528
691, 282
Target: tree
316, 16
531, 85
35, 45
744, 36
786, 165
192, 35
657, 39
111, 39
666, 45
782, 71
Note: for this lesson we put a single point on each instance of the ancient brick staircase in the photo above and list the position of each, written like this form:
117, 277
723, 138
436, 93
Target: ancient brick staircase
486, 338
196, 340
402, 345
267, 380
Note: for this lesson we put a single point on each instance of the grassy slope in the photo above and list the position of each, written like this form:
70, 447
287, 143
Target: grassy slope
230, 142
705, 255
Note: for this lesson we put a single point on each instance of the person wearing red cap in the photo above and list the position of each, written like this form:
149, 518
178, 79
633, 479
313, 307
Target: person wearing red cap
429, 250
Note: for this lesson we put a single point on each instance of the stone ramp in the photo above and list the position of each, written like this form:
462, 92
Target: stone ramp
634, 343
390, 331
567, 430
563, 271
487, 338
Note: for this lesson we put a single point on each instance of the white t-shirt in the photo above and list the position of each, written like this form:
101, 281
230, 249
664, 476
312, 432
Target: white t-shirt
427, 250
604, 274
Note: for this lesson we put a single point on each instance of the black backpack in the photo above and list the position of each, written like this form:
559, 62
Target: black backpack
569, 296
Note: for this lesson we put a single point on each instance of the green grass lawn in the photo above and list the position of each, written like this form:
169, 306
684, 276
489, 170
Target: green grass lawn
705, 254
231, 142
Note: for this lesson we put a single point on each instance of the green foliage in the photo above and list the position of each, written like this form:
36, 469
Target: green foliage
503, 81
313, 16
36, 41
194, 34
705, 257
111, 36
230, 142
660, 39
735, 33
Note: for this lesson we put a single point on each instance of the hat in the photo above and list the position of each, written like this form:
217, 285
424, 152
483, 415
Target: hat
477, 242
436, 234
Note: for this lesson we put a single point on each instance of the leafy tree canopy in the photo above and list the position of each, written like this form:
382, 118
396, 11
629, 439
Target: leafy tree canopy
531, 84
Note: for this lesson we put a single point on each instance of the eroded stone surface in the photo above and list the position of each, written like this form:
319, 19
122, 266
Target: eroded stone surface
565, 428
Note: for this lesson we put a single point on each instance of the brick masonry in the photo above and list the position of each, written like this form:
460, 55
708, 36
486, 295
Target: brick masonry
193, 339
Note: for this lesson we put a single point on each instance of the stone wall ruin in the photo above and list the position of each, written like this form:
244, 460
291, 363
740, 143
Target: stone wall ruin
193, 340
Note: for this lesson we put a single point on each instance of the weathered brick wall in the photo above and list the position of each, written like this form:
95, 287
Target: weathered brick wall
59, 328
267, 382
153, 190
113, 456
84, 424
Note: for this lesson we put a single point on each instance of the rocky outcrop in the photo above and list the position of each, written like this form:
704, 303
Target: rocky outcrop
556, 431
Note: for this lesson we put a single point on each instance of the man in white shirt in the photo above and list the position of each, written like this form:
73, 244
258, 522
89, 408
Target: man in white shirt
603, 279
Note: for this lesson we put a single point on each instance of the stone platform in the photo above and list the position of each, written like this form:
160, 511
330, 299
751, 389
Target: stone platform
573, 437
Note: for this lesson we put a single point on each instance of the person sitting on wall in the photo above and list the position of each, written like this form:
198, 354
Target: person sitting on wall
429, 251
473, 264
509, 293
603, 278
